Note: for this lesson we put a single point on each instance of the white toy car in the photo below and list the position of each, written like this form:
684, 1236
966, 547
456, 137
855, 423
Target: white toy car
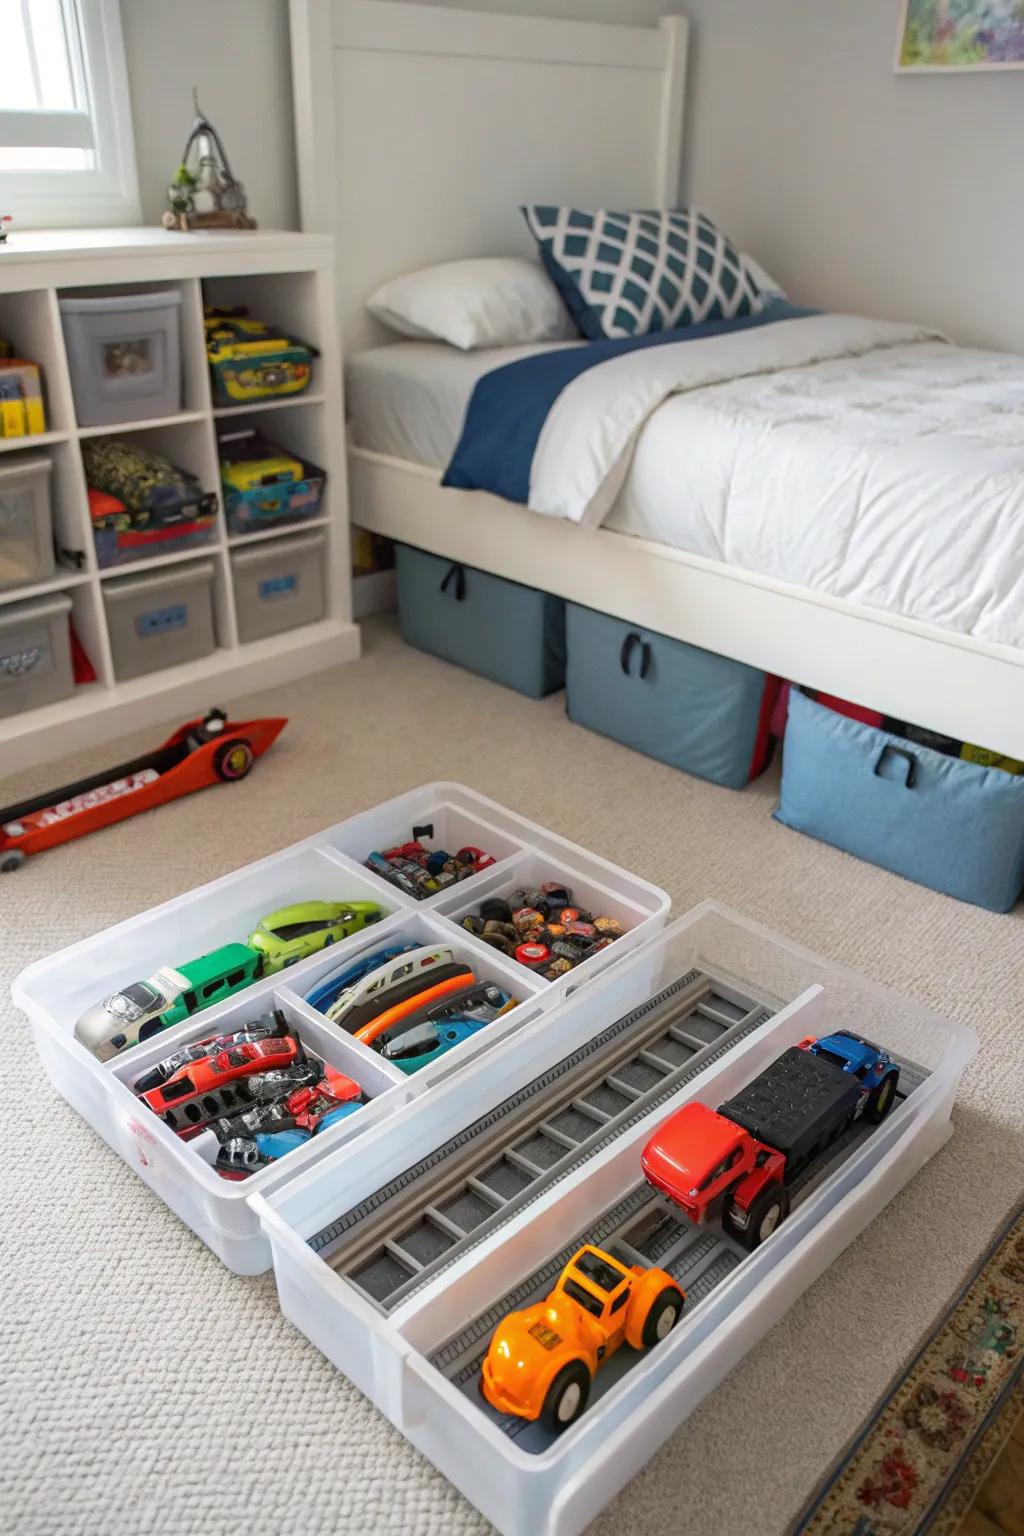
110, 1026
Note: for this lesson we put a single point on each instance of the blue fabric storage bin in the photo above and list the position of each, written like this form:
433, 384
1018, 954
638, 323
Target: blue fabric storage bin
946, 823
509, 633
686, 707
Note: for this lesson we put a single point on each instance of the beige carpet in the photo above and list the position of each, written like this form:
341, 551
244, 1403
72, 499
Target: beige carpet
146, 1389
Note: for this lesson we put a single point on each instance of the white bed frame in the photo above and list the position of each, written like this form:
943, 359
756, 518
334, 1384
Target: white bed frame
420, 131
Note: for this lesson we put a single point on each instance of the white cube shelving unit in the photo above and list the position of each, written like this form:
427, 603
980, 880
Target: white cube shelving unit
284, 278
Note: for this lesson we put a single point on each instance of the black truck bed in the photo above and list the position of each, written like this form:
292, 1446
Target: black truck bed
797, 1105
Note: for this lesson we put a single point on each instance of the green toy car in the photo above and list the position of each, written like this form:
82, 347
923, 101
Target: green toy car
293, 933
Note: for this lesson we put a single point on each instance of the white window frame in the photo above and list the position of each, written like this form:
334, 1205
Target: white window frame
108, 193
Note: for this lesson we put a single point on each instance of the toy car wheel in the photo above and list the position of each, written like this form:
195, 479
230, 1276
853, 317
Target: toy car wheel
566, 1398
766, 1213
233, 759
666, 1310
13, 859
881, 1099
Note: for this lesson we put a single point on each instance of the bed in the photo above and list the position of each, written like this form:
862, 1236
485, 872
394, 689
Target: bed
920, 616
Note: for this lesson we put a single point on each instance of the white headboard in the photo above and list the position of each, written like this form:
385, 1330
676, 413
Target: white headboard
421, 129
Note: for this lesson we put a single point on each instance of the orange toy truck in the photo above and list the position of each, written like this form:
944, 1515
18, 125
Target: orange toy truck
541, 1361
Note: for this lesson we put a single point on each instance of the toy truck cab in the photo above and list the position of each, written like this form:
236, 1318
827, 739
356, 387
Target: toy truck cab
697, 1156
542, 1360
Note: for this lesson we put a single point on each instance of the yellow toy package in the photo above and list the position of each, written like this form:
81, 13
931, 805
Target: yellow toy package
253, 361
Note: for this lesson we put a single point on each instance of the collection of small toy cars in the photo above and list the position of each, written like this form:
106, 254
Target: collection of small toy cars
264, 485
143, 1009
140, 502
22, 412
542, 929
250, 360
541, 1361
411, 1003
741, 1158
200, 752
421, 872
256, 1089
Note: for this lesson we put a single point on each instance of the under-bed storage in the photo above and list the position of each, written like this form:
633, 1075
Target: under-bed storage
686, 707
509, 633
949, 824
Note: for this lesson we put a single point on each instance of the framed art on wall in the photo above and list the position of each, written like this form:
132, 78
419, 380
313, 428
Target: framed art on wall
951, 35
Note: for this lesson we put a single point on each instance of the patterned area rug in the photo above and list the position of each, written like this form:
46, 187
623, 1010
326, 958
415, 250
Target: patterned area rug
919, 1461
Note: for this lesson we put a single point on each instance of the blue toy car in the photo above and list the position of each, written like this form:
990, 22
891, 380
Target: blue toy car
428, 1042
875, 1069
335, 982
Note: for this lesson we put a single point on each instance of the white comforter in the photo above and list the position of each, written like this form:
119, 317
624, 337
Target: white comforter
864, 459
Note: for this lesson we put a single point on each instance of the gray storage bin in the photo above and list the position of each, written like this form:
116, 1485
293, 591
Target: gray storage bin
509, 633
35, 653
124, 353
686, 707
279, 584
26, 524
160, 619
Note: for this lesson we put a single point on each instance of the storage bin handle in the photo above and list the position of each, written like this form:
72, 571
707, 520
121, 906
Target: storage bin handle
908, 757
626, 654
457, 573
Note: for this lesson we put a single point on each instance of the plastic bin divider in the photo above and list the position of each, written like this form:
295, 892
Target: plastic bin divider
340, 1049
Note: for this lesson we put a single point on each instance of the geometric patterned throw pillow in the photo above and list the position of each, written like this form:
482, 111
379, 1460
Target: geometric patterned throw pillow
626, 274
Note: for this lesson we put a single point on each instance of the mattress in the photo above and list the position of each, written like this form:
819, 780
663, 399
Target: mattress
409, 399
894, 480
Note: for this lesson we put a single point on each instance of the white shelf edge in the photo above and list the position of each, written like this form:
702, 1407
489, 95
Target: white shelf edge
149, 424
243, 540
32, 441
100, 713
55, 583
226, 412
157, 562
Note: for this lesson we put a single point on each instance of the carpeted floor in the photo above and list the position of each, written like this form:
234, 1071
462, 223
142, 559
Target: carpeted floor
146, 1389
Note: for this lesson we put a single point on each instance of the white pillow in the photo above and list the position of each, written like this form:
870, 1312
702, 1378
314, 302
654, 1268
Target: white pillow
491, 301
763, 280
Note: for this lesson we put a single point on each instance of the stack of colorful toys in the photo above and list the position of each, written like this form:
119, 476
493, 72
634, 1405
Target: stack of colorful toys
542, 928
141, 504
22, 413
421, 872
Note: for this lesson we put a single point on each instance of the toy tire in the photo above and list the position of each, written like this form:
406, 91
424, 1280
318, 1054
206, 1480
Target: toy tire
881, 1099
768, 1212
13, 859
233, 759
666, 1310
566, 1398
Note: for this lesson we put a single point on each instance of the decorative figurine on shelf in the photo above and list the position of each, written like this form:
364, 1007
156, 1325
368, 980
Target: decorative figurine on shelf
204, 194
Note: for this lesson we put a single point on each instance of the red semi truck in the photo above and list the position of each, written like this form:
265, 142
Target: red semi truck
743, 1157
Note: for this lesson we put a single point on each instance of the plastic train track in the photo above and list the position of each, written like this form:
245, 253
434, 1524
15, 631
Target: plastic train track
407, 1232
641, 1228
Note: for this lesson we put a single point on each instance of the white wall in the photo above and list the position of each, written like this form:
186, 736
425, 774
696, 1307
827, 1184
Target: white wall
859, 188
236, 52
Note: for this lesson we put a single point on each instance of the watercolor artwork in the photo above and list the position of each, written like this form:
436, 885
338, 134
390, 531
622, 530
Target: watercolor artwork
961, 34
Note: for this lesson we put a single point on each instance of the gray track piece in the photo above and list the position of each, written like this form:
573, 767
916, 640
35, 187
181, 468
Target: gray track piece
404, 1234
641, 1228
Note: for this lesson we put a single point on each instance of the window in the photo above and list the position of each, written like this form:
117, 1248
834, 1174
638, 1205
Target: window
66, 154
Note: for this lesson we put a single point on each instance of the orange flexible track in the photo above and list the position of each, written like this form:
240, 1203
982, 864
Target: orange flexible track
383, 1021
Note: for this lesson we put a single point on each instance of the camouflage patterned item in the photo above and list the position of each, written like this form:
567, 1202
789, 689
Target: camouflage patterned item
155, 493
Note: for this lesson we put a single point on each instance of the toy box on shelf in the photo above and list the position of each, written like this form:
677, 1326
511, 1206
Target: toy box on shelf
22, 409
410, 1258
63, 989
264, 485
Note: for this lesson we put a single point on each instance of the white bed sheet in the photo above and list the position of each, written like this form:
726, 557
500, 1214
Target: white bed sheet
894, 480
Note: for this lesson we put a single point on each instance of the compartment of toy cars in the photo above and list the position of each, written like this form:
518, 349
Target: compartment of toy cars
54, 992
400, 1354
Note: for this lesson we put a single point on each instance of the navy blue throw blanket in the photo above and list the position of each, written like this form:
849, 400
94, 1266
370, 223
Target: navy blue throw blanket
509, 405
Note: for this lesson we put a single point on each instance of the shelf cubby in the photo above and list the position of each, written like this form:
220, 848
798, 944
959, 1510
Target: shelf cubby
283, 278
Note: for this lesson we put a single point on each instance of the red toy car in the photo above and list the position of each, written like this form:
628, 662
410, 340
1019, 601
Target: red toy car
200, 752
743, 1157
202, 1091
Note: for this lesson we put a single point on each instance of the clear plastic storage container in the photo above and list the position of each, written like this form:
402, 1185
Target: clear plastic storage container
35, 653
399, 1257
55, 991
26, 524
